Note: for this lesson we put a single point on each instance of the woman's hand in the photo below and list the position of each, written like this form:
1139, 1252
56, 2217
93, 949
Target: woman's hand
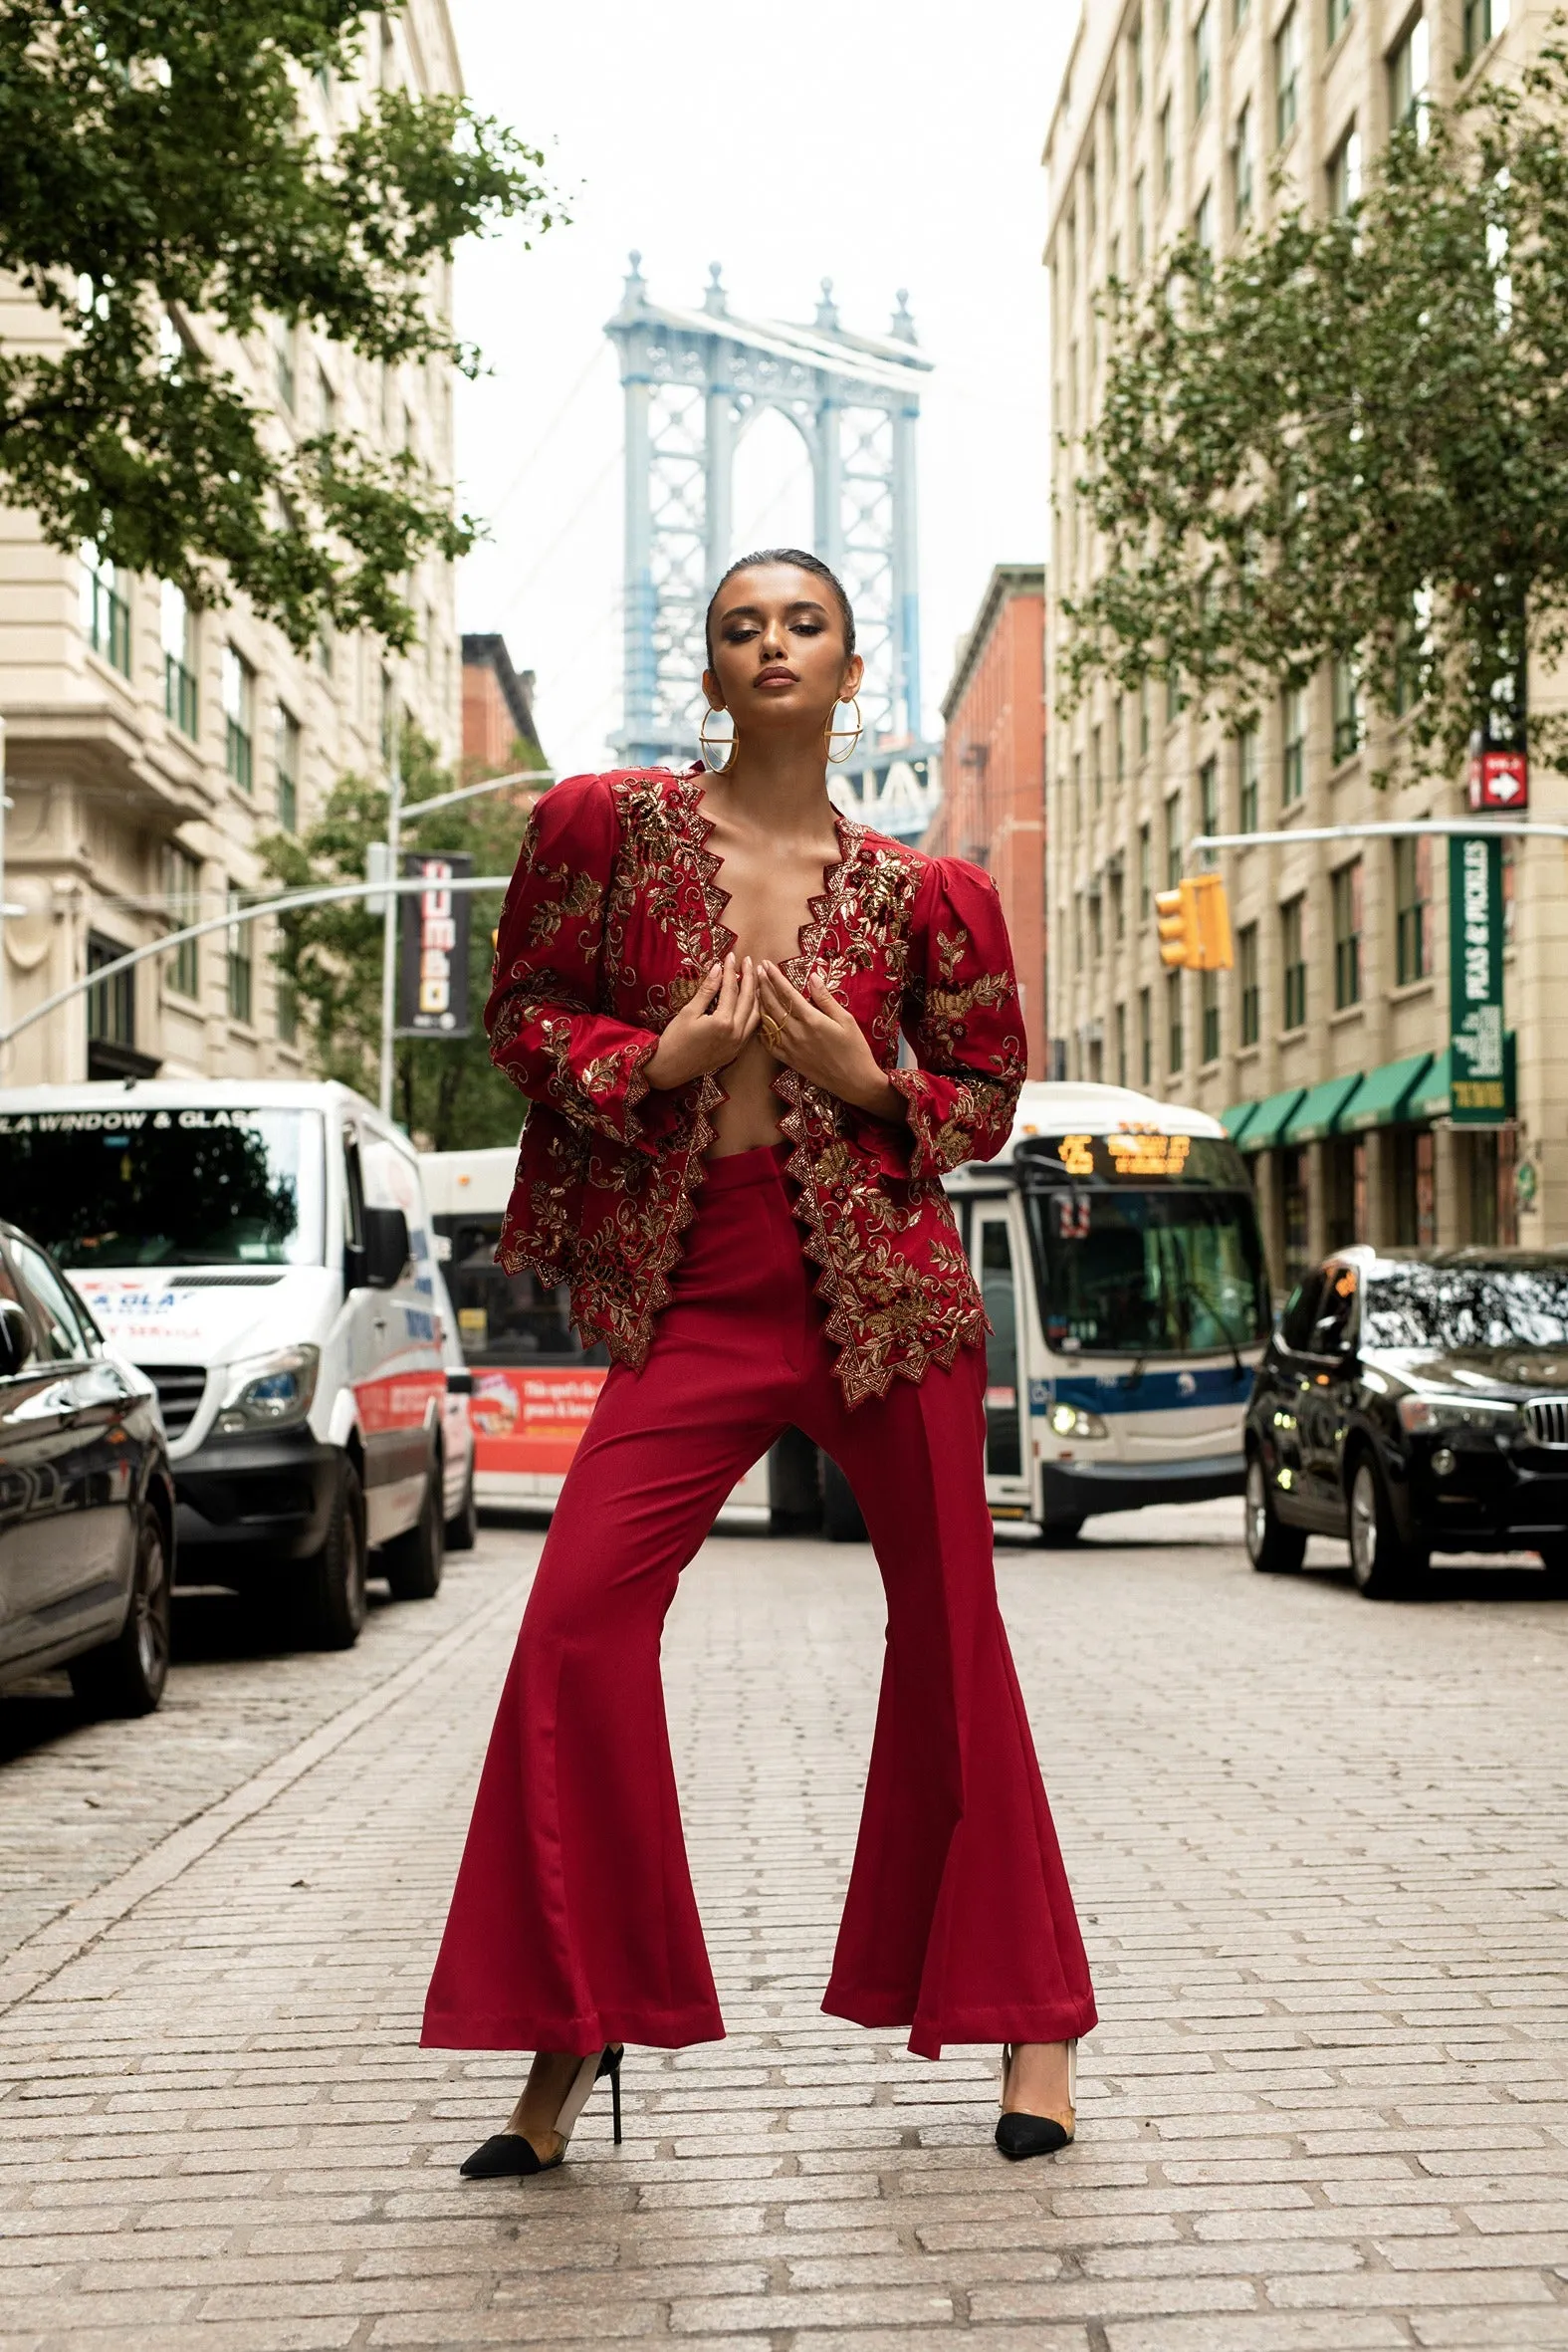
816, 1034
711, 1026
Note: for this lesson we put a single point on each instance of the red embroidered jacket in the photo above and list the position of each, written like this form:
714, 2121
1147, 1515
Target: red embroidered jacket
613, 916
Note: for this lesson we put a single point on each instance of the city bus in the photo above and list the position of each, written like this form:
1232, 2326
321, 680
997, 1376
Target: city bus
1116, 1246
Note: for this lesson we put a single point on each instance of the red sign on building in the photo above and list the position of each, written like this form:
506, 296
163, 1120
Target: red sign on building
1499, 780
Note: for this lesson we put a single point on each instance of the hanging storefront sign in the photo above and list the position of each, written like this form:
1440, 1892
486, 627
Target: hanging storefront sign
1479, 1091
433, 963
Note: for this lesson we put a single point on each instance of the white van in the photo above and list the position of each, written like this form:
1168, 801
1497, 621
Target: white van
263, 1251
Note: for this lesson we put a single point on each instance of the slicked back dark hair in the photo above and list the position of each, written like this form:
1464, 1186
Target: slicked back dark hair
799, 560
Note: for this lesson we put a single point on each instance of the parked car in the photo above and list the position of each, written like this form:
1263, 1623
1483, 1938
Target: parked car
263, 1251
1412, 1403
87, 1498
462, 1515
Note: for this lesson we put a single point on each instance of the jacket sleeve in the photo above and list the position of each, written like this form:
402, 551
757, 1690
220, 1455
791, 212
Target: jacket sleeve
962, 1017
545, 1026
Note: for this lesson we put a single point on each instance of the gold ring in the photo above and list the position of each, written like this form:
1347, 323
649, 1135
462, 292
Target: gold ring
773, 1032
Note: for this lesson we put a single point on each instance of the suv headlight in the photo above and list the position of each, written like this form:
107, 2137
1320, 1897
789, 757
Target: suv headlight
1488, 1416
1075, 1421
270, 1392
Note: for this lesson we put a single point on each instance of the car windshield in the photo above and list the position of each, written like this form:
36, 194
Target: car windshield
1453, 1306
175, 1187
1163, 1271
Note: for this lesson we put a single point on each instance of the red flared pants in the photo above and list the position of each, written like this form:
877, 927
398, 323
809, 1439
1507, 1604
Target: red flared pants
574, 1922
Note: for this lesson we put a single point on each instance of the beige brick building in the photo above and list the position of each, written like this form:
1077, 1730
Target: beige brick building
150, 746
1171, 116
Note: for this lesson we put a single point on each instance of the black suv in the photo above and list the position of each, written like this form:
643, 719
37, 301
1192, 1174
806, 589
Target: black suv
1415, 1403
87, 1499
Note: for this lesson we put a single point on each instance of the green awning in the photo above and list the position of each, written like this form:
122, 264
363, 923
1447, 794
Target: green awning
1317, 1112
1430, 1100
1237, 1119
1268, 1123
1382, 1099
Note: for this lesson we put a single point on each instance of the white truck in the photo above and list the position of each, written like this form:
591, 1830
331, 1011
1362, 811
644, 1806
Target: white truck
262, 1250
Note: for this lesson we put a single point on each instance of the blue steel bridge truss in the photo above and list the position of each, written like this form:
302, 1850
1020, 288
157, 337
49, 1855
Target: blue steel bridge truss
694, 382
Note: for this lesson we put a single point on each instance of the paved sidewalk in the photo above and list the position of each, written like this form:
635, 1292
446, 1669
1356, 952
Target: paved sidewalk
1319, 1851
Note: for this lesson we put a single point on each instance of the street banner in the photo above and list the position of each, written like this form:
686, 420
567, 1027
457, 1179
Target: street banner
1478, 1086
529, 1422
432, 961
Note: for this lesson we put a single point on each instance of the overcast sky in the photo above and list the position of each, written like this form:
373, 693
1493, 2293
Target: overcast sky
878, 142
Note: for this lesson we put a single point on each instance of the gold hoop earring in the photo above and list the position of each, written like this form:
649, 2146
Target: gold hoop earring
729, 744
838, 758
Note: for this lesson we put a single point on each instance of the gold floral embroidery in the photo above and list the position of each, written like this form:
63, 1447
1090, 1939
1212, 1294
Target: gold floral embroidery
607, 1201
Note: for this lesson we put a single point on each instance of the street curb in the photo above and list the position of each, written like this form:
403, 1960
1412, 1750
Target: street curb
74, 1931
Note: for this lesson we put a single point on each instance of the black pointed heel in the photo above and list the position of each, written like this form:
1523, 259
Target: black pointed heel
511, 2156
1018, 2135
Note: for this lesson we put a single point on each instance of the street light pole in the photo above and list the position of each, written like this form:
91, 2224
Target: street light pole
395, 816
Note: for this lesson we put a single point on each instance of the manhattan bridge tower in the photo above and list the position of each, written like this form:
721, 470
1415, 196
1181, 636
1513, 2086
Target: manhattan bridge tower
694, 382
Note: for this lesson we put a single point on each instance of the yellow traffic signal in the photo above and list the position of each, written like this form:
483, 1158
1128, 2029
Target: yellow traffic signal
1194, 924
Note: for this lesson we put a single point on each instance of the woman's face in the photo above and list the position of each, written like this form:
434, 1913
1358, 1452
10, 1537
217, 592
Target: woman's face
779, 660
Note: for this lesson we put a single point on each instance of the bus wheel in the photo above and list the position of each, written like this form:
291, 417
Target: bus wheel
1057, 1533
841, 1519
1271, 1547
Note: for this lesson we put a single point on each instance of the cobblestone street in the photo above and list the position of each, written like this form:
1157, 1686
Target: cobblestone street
1317, 1845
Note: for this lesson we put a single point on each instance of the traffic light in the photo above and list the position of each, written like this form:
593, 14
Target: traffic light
1194, 924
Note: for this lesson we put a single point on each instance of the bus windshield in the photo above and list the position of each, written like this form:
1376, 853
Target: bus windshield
208, 1186
1162, 1271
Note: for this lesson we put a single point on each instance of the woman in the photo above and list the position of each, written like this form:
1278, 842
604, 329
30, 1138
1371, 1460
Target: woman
768, 1252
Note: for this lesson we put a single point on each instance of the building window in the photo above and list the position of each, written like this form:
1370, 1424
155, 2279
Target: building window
1166, 151
283, 362
111, 1005
1293, 718
1121, 738
1143, 720
1344, 174
389, 720
183, 897
287, 1002
179, 659
1288, 75
1412, 908
239, 716
1241, 10
1173, 841
1209, 1002
1247, 976
1347, 934
1209, 796
1118, 902
1482, 17
1096, 923
1347, 709
1242, 184
1175, 699
1140, 221
1174, 1043
1415, 1188
288, 760
1203, 223
1293, 958
1145, 875
1203, 61
1097, 766
1145, 1037
1135, 65
105, 609
239, 961
1409, 68
1339, 18
1246, 766
1121, 1044
1113, 158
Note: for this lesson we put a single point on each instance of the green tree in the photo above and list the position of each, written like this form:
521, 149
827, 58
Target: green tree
1350, 439
160, 179
447, 1093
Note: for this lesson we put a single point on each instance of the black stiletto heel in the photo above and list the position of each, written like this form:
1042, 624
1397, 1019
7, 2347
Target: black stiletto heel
1037, 2135
511, 2156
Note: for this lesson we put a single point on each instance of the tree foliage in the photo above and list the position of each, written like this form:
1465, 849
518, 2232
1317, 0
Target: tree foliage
1350, 439
160, 179
446, 1091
